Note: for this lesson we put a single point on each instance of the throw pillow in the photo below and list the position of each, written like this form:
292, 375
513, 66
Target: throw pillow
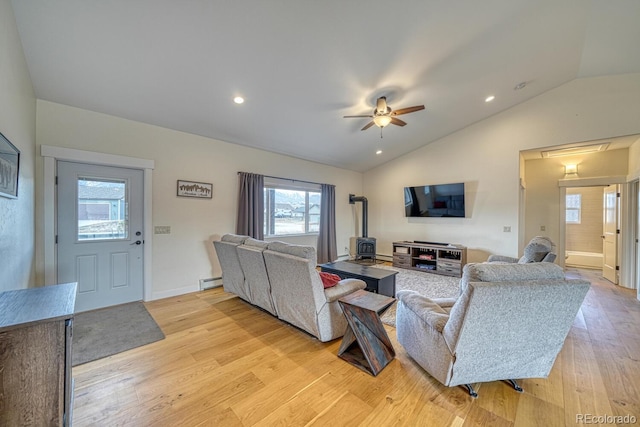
329, 280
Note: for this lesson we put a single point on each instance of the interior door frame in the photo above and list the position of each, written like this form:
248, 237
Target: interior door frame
51, 155
623, 242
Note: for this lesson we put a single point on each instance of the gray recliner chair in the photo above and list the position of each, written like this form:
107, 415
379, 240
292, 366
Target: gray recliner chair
510, 322
251, 257
233, 280
298, 295
539, 249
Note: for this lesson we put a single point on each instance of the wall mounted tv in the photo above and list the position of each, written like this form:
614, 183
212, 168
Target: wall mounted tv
442, 200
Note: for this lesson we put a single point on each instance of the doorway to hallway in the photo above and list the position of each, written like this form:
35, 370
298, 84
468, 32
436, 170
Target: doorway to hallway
591, 229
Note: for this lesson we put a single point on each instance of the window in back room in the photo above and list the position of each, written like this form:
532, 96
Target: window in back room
573, 208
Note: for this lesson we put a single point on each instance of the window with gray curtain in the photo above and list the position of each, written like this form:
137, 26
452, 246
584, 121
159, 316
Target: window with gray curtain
292, 208
250, 218
261, 212
327, 246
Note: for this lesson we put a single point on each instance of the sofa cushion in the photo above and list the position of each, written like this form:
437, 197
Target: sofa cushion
234, 238
260, 244
307, 252
329, 280
536, 250
343, 288
425, 308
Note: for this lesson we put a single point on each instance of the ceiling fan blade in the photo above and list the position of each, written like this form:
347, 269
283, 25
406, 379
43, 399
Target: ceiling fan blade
397, 122
353, 117
368, 125
407, 110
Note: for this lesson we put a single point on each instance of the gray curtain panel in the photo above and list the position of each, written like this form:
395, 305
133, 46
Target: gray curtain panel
327, 247
250, 220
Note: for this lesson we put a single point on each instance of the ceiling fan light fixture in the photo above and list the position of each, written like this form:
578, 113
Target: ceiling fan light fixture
382, 121
381, 105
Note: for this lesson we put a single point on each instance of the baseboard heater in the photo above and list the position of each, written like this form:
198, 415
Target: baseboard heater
210, 283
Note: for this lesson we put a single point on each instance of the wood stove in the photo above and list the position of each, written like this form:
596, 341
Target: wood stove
365, 245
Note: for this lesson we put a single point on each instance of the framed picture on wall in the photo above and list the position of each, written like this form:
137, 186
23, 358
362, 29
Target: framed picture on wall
9, 168
201, 190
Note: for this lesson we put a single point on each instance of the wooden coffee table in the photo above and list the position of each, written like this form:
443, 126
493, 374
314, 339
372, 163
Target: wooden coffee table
378, 280
366, 344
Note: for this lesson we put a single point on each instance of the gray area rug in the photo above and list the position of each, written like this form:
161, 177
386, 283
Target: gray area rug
112, 330
428, 284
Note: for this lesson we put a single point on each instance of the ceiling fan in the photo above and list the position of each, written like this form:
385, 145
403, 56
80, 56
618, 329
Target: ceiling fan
383, 115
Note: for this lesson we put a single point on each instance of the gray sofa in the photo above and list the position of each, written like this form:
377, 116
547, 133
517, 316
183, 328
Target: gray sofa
282, 279
509, 322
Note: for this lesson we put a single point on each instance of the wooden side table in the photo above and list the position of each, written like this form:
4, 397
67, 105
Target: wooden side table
366, 344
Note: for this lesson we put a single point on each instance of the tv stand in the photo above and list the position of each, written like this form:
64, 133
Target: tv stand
430, 243
430, 257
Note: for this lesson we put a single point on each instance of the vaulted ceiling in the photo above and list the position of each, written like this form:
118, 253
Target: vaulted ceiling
302, 65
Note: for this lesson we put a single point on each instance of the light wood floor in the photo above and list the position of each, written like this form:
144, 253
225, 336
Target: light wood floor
226, 363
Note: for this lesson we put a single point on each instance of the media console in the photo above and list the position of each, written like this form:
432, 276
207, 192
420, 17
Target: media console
439, 258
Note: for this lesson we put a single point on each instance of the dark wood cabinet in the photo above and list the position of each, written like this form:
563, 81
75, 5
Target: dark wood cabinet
439, 258
35, 356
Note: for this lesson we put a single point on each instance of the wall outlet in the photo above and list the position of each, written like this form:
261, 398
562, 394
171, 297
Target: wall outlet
162, 229
506, 229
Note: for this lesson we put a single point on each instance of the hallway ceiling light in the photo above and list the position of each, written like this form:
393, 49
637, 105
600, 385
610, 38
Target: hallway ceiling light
571, 151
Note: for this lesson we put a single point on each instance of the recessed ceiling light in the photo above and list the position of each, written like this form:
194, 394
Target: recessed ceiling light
238, 100
379, 152
489, 98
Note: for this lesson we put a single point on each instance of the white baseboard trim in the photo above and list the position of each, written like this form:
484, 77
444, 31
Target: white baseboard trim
174, 292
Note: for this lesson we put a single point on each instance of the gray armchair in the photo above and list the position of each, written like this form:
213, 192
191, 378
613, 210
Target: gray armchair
510, 322
539, 249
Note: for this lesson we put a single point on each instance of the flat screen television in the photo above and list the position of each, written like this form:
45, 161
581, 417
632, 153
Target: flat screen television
442, 200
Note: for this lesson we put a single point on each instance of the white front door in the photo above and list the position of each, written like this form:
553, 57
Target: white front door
610, 234
100, 225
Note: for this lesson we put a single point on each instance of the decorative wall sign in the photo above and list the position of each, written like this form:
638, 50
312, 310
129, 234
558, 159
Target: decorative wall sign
9, 168
200, 190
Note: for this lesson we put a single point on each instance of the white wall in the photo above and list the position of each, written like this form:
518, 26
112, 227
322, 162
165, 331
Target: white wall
183, 257
634, 160
17, 124
486, 157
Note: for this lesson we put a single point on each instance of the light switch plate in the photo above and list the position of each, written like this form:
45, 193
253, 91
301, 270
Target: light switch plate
162, 229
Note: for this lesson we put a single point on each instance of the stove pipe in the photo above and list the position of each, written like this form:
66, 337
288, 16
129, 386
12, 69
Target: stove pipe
365, 214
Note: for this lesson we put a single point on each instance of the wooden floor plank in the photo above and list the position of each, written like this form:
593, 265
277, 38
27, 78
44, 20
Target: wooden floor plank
226, 363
